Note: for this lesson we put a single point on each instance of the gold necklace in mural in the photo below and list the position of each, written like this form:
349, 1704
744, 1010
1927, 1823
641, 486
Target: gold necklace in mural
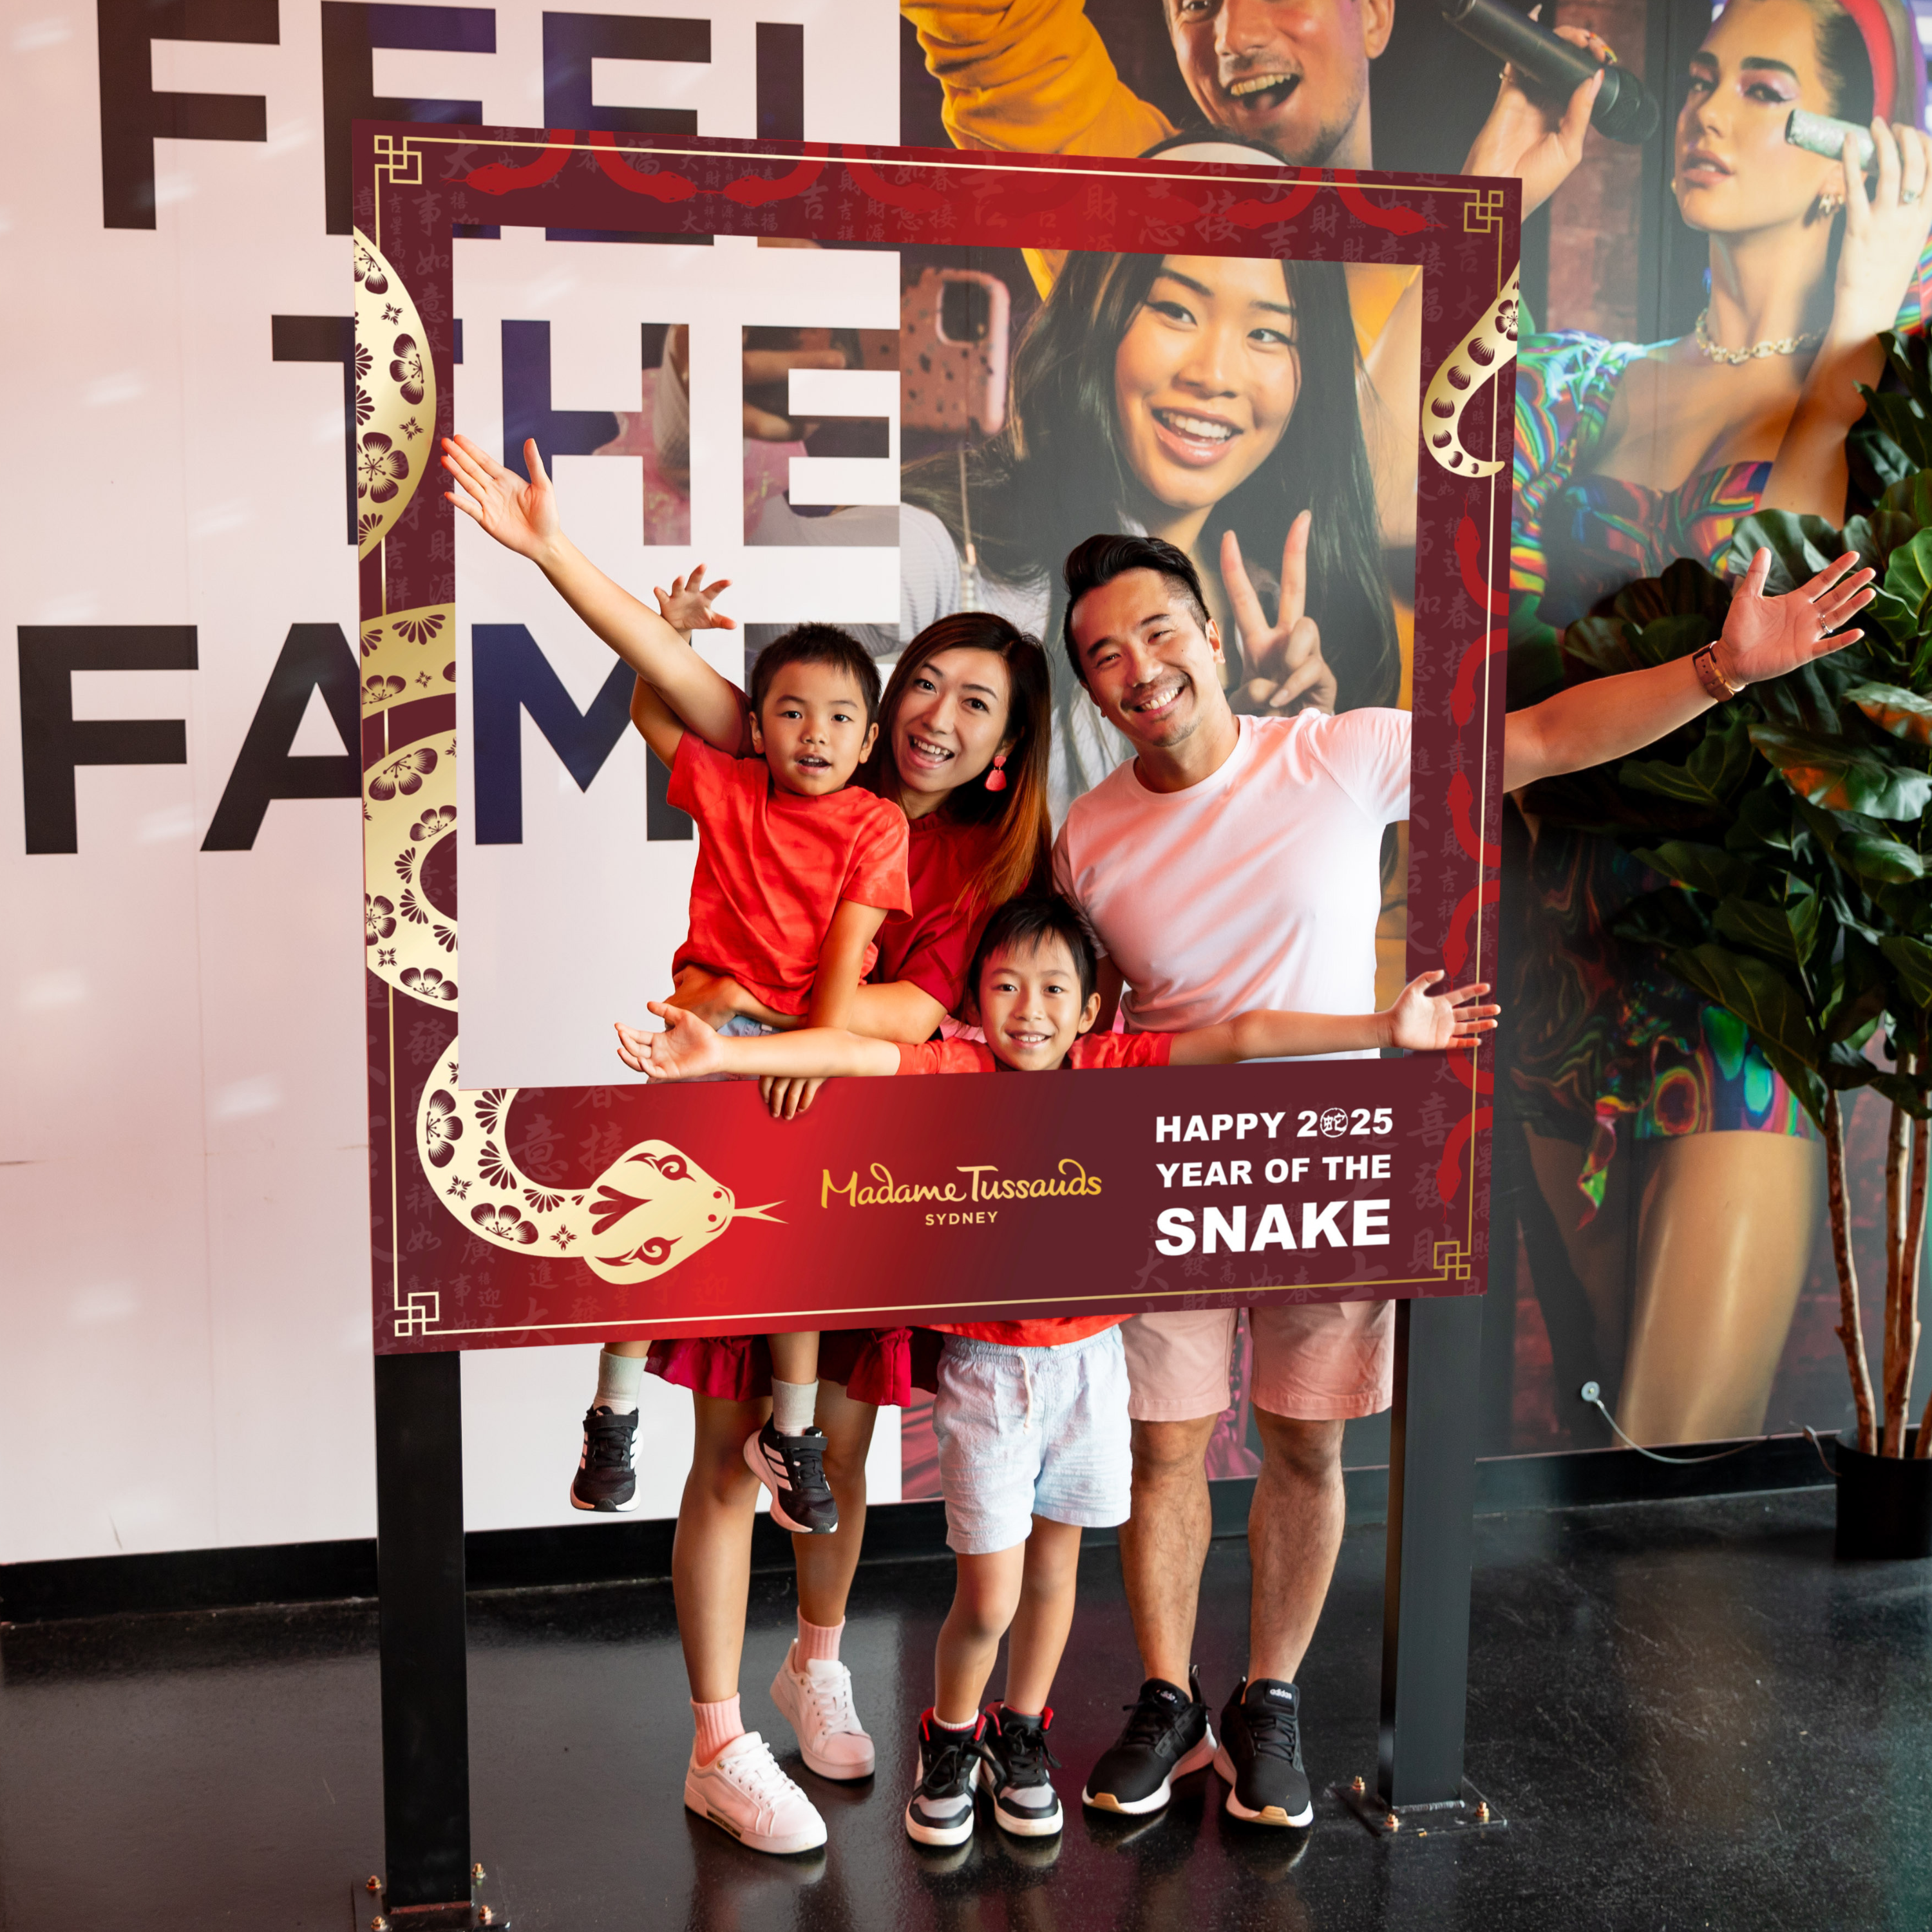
1736, 358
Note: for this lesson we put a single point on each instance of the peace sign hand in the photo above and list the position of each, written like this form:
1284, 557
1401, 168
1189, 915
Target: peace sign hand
1766, 637
1287, 654
521, 516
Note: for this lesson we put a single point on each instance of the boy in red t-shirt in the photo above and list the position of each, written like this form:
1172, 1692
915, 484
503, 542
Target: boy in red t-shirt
1030, 1416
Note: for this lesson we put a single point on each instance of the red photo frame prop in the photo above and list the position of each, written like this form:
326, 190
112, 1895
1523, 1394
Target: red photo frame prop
881, 1208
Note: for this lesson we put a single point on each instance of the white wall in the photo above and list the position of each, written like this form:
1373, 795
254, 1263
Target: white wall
183, 1272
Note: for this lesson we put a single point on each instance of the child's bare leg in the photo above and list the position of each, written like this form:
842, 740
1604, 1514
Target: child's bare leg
984, 1598
633, 1350
825, 1564
711, 1558
794, 1380
1044, 1616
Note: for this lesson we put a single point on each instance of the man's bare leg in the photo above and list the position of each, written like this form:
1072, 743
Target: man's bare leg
1164, 1543
1294, 1534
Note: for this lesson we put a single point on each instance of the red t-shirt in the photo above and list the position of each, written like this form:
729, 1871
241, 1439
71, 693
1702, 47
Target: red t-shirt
771, 868
1090, 1049
932, 949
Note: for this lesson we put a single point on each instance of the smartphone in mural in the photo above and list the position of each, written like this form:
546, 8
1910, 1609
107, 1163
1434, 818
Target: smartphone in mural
954, 325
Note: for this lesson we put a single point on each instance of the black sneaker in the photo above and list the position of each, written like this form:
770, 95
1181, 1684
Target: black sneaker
1260, 1755
793, 1468
1167, 1736
1014, 1770
605, 1480
939, 1811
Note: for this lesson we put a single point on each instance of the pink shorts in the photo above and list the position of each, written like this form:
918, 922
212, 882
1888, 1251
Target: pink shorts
1313, 1361
881, 1366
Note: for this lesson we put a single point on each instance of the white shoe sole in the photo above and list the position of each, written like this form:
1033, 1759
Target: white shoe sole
1203, 1753
938, 1834
807, 1841
838, 1771
1048, 1825
1270, 1814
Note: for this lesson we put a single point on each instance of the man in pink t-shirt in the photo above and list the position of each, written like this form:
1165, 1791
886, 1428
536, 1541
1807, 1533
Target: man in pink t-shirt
1232, 865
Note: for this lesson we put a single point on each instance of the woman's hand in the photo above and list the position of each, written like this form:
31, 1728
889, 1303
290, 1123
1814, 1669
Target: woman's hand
1427, 1025
685, 1050
789, 1095
1886, 231
686, 605
1766, 637
1531, 141
1287, 652
521, 516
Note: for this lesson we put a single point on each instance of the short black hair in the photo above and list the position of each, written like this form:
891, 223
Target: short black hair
1022, 925
816, 644
1100, 560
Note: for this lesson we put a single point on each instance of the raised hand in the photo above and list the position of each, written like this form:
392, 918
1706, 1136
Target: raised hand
1886, 231
521, 516
1766, 637
1427, 1025
686, 605
685, 1050
1287, 654
1527, 138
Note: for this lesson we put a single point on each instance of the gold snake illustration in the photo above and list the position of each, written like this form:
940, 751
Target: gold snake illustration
1466, 372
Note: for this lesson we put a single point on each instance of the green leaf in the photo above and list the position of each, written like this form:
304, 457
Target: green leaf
1803, 914
1841, 774
1800, 547
1762, 927
1713, 771
1706, 869
1901, 1092
1911, 959
1758, 993
1882, 861
1903, 713
1763, 817
1908, 575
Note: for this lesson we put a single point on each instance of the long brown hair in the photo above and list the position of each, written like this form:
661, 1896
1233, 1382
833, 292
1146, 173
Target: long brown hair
1019, 812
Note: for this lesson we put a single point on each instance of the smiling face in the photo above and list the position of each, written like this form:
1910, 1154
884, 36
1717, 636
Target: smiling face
1148, 662
1292, 72
1031, 1007
1735, 172
810, 730
952, 719
1205, 378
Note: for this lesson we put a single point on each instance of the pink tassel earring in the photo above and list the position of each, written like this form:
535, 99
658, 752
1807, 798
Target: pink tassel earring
996, 779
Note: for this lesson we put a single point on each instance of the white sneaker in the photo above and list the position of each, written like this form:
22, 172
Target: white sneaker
743, 1791
816, 1699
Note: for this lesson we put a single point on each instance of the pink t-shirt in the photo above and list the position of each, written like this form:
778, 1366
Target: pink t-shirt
1259, 887
771, 868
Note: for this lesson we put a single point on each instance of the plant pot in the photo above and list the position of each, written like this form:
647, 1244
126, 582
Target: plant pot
1885, 1503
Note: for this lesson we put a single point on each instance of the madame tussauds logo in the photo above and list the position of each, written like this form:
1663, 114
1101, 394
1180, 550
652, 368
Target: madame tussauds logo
981, 1184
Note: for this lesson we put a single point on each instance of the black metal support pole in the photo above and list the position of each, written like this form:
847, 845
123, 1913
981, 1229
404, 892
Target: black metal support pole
1431, 1535
425, 1686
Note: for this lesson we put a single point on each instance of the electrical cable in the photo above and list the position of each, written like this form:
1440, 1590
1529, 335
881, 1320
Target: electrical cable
1593, 1396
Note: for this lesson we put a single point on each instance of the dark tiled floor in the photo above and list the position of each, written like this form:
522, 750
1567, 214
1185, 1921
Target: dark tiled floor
1690, 1716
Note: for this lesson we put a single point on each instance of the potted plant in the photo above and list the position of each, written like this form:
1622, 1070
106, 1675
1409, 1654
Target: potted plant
1790, 825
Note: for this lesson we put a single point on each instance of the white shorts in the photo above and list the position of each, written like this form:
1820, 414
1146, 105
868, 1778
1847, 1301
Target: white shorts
1024, 1432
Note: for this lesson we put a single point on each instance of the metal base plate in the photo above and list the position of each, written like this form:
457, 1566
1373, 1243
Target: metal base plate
485, 1907
1470, 1811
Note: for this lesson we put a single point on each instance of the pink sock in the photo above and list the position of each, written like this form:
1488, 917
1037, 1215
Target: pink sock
819, 1640
718, 1724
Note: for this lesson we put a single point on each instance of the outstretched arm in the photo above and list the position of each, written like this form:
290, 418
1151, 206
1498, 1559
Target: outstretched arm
688, 1049
1416, 1021
1611, 717
523, 517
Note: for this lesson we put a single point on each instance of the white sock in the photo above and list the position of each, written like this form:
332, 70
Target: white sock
794, 1404
620, 1378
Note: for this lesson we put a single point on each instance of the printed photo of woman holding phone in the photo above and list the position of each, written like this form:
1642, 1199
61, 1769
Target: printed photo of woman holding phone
1629, 455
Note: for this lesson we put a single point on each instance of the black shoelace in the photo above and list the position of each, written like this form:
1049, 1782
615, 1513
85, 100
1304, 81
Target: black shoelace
1153, 1718
951, 1768
1025, 1749
1273, 1732
804, 1460
609, 1438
